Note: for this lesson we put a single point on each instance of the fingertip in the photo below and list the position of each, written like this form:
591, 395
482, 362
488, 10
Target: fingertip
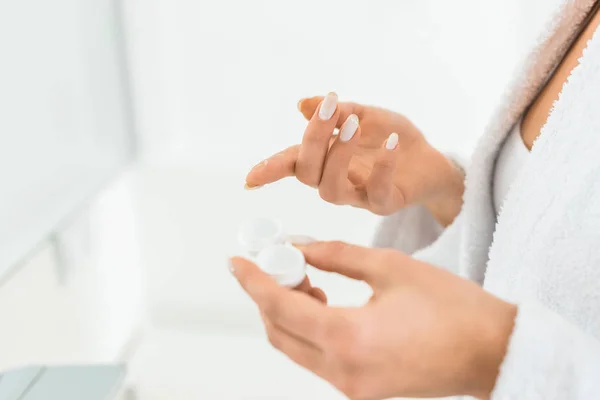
237, 264
258, 285
273, 169
349, 129
248, 186
318, 294
253, 180
304, 286
308, 106
236, 259
299, 105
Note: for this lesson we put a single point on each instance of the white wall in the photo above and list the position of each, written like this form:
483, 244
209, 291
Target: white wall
64, 120
230, 73
80, 297
217, 85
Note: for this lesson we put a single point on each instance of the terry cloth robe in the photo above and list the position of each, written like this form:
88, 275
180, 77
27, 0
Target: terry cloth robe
542, 251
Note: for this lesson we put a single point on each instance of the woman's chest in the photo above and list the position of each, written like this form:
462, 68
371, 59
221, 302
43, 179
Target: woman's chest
547, 246
546, 243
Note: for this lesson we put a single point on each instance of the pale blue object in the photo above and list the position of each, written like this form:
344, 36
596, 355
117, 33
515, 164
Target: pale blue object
13, 384
98, 382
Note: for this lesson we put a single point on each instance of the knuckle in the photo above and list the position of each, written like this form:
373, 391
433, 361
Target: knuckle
409, 190
381, 210
378, 196
271, 310
353, 385
385, 163
316, 141
387, 256
274, 338
337, 248
330, 194
349, 342
387, 259
305, 176
378, 192
315, 135
338, 329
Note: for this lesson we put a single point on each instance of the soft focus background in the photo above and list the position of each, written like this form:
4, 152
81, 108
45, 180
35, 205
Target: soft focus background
116, 228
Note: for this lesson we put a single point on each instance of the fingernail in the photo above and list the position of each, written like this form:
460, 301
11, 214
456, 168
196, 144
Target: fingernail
349, 128
231, 267
328, 106
299, 105
247, 186
392, 141
300, 240
300, 246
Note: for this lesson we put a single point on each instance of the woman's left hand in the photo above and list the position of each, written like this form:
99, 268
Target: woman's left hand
425, 332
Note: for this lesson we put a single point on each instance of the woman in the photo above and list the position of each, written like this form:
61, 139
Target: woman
519, 316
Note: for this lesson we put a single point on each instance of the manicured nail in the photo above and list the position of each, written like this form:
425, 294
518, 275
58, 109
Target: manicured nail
299, 105
392, 141
248, 186
231, 267
328, 107
349, 128
300, 240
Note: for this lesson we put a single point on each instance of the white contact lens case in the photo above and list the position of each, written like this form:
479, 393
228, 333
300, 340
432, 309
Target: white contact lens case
265, 242
259, 233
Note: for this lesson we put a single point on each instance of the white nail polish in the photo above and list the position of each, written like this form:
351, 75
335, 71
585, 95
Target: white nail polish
349, 128
392, 141
250, 187
299, 239
328, 107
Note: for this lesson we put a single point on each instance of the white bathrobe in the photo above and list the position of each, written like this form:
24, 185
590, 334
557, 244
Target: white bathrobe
542, 252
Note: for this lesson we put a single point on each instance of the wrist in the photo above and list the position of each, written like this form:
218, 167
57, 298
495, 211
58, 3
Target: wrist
446, 204
490, 349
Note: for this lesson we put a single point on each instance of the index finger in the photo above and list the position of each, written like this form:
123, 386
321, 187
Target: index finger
274, 168
294, 311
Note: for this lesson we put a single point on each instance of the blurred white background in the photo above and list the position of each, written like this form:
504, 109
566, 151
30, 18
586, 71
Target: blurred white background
215, 87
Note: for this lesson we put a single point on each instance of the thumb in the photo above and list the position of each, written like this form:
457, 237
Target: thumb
373, 266
308, 107
253, 280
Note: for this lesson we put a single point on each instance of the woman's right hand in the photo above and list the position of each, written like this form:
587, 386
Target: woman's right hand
381, 164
